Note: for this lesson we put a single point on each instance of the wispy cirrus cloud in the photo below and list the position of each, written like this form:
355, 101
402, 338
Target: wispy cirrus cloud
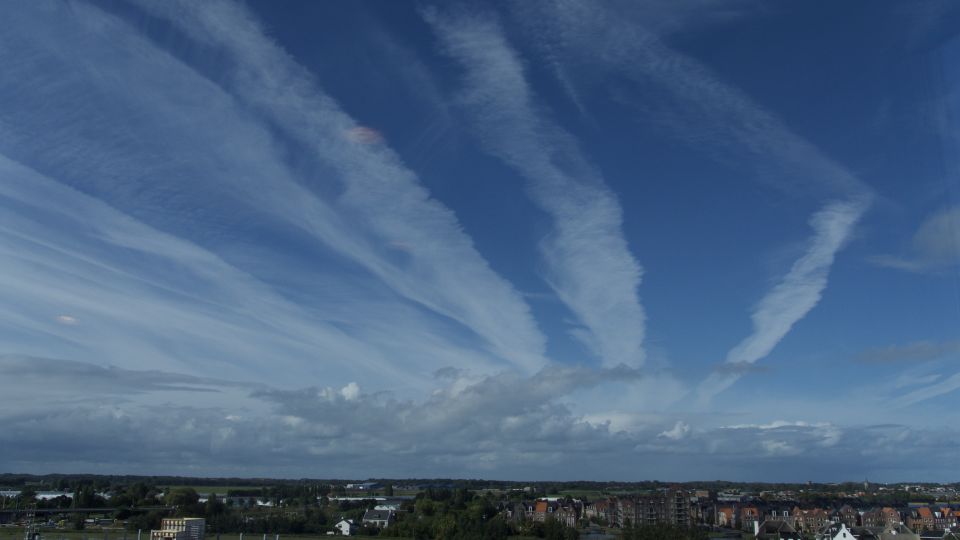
149, 133
605, 43
58, 376
934, 247
378, 191
793, 297
589, 264
693, 103
944, 386
918, 351
139, 297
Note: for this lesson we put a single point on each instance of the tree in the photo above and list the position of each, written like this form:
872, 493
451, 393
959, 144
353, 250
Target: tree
146, 522
183, 496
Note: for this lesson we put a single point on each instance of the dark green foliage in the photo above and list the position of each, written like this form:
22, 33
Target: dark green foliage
146, 521
662, 532
459, 514
182, 497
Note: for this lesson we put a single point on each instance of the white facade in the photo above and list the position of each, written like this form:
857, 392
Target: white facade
345, 527
180, 529
843, 534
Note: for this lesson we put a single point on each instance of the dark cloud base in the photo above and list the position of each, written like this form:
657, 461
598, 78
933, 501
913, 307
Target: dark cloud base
504, 426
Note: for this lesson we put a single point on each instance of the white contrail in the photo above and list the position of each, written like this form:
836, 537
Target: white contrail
589, 264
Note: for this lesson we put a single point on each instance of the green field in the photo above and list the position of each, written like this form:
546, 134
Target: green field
219, 490
16, 533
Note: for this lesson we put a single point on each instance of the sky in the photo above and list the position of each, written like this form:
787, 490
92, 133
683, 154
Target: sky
536, 240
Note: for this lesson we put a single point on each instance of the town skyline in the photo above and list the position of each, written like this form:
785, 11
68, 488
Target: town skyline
176, 508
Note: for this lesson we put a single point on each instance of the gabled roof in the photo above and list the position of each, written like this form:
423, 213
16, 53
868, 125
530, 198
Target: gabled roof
378, 515
776, 526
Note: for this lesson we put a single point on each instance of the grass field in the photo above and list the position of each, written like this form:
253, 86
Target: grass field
16, 533
219, 490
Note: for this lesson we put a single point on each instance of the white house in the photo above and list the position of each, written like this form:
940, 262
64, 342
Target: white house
841, 533
346, 527
378, 518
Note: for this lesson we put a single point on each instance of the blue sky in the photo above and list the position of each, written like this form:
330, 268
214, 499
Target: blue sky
531, 240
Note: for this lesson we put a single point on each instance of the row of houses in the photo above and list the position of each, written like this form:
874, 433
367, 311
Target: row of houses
668, 506
815, 519
894, 532
564, 511
781, 530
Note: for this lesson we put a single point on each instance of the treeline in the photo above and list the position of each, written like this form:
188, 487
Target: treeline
461, 514
103, 482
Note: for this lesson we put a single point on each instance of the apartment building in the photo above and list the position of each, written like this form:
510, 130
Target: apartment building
190, 528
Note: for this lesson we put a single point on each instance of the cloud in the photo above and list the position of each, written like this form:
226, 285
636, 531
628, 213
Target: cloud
589, 265
164, 148
504, 424
919, 351
67, 320
794, 296
380, 192
677, 432
913, 379
364, 135
945, 386
350, 392
698, 107
150, 299
694, 104
504, 420
934, 248
140, 421
740, 368
67, 376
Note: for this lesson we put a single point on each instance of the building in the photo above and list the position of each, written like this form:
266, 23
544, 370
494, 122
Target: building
543, 509
518, 511
921, 519
600, 510
666, 506
345, 527
945, 518
749, 518
847, 516
180, 529
364, 486
378, 518
776, 530
726, 517
895, 532
567, 515
810, 520
835, 531
881, 517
